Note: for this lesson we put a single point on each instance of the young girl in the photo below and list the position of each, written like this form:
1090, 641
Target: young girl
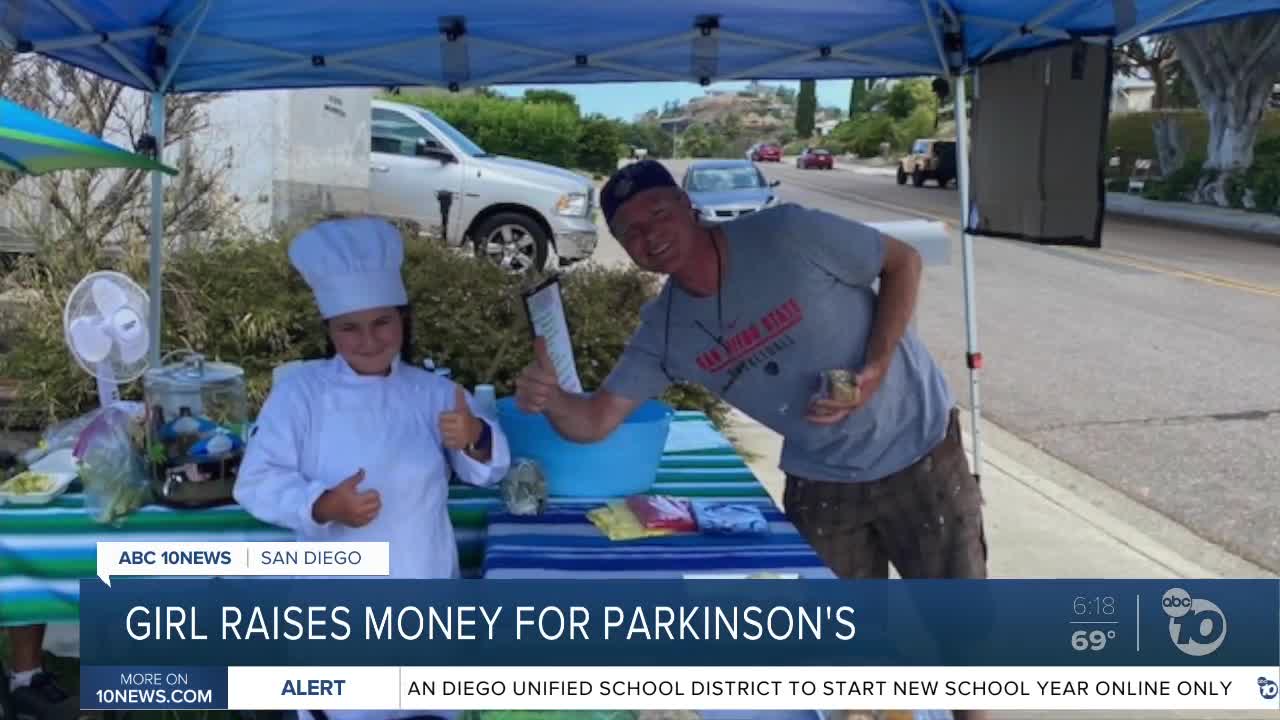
358, 447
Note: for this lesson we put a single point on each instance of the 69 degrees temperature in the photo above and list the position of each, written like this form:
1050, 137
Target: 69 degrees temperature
1095, 610
1093, 640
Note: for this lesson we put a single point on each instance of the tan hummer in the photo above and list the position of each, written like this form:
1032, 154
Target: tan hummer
930, 159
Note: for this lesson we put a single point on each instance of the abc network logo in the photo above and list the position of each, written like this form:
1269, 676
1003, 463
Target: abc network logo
1268, 688
1196, 625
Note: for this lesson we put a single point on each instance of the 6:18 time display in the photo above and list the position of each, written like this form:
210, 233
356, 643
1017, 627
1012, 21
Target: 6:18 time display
1099, 605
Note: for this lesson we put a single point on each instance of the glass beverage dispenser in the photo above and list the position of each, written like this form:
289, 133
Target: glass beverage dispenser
197, 420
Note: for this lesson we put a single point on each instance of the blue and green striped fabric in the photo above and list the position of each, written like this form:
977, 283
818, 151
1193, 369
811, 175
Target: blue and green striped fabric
44, 551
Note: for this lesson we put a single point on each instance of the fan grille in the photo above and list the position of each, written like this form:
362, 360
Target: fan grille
81, 304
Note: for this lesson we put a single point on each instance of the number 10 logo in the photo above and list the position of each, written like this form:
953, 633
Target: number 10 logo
1196, 626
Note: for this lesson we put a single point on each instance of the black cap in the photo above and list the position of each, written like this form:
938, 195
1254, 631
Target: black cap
631, 181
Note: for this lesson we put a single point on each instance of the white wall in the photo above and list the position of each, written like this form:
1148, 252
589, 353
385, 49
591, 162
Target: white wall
242, 133
327, 141
291, 152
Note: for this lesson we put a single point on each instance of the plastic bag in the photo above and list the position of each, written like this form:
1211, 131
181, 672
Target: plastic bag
110, 465
722, 518
59, 437
524, 489
620, 524
662, 512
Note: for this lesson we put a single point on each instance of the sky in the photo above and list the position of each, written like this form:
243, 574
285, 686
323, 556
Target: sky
627, 100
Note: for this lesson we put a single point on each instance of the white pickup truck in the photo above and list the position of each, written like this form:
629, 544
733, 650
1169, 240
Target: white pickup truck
512, 211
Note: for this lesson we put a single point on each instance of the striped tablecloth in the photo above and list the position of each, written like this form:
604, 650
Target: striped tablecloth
45, 551
562, 543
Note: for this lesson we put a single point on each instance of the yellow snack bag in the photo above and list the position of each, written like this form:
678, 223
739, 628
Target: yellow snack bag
618, 523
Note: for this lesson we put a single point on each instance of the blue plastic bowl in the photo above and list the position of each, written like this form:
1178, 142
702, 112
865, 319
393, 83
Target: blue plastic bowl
625, 463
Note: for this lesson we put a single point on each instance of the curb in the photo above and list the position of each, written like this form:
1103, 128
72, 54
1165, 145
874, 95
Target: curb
1258, 226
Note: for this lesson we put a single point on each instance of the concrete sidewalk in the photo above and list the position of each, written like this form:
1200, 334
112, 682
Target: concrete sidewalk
1045, 519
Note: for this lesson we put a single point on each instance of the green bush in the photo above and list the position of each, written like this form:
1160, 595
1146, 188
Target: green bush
1263, 177
919, 124
1178, 186
906, 96
1132, 134
543, 131
599, 144
241, 302
795, 147
864, 134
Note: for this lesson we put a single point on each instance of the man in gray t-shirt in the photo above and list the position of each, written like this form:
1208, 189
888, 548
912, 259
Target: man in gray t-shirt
757, 310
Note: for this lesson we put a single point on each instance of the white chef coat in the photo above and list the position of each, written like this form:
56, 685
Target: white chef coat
323, 422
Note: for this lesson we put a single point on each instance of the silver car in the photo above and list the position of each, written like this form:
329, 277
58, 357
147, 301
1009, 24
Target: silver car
724, 189
512, 211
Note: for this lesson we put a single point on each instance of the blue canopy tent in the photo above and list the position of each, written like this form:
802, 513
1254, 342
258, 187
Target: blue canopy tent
179, 46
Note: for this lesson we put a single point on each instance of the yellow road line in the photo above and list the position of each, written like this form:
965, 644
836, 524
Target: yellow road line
1116, 257
1207, 278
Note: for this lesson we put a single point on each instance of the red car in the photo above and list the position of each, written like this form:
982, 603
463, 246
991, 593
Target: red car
767, 153
816, 158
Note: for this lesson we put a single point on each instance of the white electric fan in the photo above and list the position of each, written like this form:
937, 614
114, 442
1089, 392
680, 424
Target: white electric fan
105, 323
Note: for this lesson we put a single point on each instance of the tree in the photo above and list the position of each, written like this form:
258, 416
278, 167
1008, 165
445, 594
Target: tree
551, 96
1233, 66
873, 96
857, 91
81, 212
598, 144
906, 95
700, 141
656, 141
1151, 59
806, 107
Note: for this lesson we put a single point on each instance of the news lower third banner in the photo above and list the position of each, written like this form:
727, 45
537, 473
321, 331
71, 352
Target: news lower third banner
376, 643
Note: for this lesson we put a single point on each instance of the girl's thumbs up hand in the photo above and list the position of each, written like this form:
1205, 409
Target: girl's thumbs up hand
459, 428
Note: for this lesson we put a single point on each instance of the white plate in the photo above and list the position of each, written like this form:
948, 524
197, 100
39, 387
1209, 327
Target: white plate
56, 463
60, 483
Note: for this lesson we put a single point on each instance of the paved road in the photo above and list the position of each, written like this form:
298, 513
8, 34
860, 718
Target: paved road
1150, 365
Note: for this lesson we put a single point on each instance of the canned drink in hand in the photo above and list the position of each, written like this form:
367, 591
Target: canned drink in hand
842, 386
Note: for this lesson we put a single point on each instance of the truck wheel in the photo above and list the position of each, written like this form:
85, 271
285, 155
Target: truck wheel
902, 176
513, 241
917, 178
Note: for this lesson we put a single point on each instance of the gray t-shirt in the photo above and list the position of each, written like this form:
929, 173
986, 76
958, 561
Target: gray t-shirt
797, 300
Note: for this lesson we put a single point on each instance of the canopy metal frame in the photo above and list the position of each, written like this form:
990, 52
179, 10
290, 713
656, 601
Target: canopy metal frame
939, 24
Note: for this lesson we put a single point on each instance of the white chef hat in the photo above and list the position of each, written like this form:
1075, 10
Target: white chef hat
351, 265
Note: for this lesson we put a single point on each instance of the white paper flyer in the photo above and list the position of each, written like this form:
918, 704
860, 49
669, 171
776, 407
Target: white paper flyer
546, 316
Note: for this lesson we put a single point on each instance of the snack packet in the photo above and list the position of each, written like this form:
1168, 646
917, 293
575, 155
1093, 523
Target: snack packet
660, 512
618, 523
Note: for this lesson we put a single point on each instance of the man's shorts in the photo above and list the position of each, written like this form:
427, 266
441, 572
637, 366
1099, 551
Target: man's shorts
925, 519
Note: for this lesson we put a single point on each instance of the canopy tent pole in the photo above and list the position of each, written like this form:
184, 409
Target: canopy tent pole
155, 269
973, 358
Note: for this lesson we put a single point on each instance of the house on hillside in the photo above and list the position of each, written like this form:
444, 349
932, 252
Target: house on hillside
1130, 94
825, 127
